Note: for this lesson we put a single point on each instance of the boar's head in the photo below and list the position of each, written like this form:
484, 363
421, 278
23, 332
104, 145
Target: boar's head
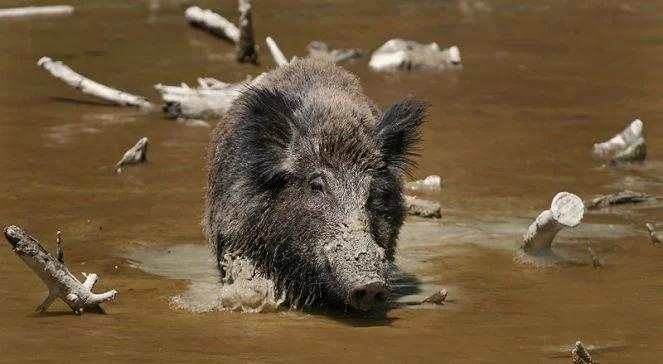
325, 178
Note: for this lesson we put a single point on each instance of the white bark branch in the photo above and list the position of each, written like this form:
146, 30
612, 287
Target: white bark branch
213, 23
431, 183
422, 208
136, 154
212, 98
406, 54
36, 10
627, 146
279, 58
321, 50
60, 282
65, 74
565, 211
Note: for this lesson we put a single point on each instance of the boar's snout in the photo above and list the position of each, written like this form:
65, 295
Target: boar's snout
368, 296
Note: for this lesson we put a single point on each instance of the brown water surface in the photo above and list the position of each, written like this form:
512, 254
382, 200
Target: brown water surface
541, 83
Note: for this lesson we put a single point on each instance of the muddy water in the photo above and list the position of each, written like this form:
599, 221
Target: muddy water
541, 83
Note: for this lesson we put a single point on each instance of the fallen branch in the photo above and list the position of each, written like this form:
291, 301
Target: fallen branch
437, 298
321, 50
36, 10
274, 49
422, 208
246, 46
60, 282
580, 355
212, 98
212, 23
406, 54
655, 236
65, 74
429, 184
620, 198
565, 211
625, 147
136, 154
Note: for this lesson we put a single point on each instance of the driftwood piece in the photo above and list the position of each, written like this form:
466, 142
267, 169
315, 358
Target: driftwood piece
65, 74
36, 10
620, 198
212, 98
437, 298
321, 50
422, 208
246, 46
566, 210
655, 236
136, 154
60, 282
213, 23
429, 184
580, 355
626, 147
274, 49
406, 54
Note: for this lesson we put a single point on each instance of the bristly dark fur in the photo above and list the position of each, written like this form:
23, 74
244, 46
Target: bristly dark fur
310, 120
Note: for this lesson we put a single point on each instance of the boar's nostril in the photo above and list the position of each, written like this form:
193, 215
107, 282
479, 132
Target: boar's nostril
368, 296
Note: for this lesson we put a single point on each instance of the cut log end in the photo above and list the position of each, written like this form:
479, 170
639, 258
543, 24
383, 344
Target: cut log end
566, 211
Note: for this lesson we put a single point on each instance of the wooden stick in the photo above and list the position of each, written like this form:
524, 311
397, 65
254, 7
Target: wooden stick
36, 10
422, 208
213, 23
655, 236
212, 98
321, 50
65, 74
627, 146
580, 355
60, 282
565, 211
136, 154
279, 58
246, 46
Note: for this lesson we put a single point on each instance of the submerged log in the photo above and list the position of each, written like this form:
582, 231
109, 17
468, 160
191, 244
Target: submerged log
565, 211
422, 208
212, 98
406, 54
655, 236
212, 23
321, 50
620, 198
626, 147
65, 74
429, 184
274, 49
246, 46
136, 154
580, 355
36, 10
60, 282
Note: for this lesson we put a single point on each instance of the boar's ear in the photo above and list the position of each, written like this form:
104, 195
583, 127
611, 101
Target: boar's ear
398, 131
269, 123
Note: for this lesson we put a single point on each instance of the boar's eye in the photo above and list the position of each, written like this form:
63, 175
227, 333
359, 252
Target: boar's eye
317, 183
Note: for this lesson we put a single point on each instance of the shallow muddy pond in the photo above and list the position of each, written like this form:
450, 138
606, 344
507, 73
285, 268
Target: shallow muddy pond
541, 83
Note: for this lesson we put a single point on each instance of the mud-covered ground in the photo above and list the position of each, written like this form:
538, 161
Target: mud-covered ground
541, 83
